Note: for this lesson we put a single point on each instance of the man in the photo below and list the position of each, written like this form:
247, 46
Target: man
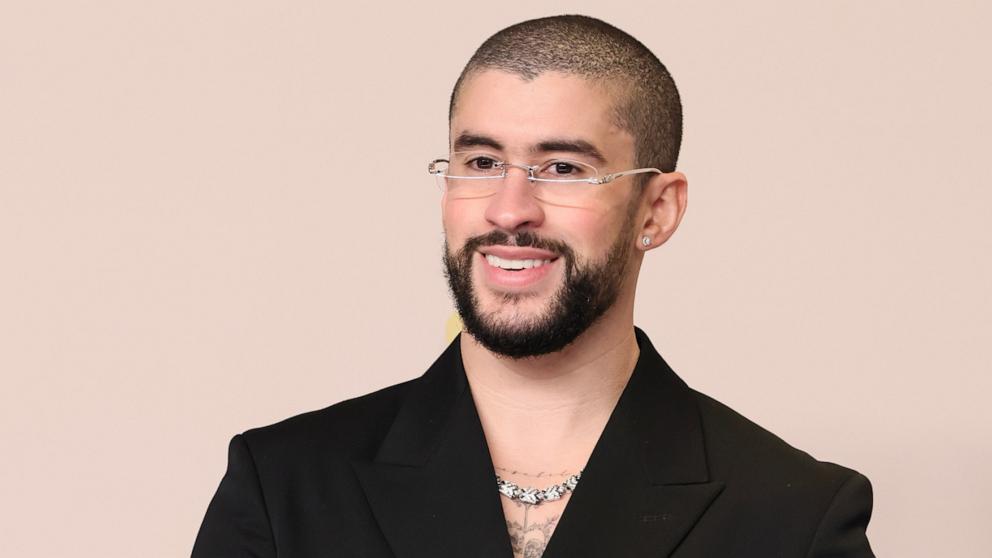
550, 426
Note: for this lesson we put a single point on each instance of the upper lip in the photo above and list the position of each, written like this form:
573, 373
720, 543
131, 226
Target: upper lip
517, 253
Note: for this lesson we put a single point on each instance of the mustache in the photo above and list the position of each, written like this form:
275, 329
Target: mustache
522, 239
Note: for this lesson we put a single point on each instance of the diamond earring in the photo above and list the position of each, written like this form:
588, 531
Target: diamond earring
646, 240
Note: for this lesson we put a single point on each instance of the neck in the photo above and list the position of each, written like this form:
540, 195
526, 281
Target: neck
545, 413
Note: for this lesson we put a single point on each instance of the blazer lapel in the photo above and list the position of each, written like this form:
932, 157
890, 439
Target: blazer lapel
432, 485
646, 483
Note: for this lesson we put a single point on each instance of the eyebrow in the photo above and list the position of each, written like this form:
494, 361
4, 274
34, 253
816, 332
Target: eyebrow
577, 146
466, 140
561, 145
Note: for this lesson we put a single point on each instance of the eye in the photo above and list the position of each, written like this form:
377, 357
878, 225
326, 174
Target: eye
564, 169
482, 163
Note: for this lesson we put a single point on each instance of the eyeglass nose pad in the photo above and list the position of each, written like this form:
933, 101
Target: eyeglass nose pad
529, 169
505, 167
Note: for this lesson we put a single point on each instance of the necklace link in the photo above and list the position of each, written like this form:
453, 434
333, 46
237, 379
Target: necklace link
536, 496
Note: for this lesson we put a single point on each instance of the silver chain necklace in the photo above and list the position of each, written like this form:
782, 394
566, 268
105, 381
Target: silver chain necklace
535, 496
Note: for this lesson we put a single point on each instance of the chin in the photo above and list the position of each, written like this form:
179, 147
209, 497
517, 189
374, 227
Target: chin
514, 316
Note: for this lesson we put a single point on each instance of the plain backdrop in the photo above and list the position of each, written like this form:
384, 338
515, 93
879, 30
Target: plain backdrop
216, 214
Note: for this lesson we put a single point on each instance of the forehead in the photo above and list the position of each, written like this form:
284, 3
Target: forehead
523, 113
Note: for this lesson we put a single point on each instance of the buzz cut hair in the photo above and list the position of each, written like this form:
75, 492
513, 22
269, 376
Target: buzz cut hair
647, 103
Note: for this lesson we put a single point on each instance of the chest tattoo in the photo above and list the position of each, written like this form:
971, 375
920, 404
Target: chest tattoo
529, 538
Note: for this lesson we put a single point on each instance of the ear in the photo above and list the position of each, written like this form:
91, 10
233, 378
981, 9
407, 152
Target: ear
665, 198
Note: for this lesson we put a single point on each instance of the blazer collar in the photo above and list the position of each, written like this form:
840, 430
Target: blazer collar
432, 484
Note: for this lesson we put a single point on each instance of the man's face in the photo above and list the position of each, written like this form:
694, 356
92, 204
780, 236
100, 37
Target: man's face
576, 252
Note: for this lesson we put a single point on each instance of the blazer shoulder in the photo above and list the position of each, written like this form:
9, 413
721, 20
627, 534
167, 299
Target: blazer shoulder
350, 428
827, 505
738, 447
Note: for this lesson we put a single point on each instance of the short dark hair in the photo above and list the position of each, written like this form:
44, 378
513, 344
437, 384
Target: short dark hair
648, 104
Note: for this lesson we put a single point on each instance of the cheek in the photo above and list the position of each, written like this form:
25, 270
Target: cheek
461, 219
587, 231
449, 215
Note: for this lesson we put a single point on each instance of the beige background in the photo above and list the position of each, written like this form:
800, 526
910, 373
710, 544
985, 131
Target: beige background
214, 215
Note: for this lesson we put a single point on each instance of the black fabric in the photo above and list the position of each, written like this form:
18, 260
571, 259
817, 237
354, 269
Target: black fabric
405, 472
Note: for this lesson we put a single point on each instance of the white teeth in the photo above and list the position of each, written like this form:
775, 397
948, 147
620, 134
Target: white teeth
496, 261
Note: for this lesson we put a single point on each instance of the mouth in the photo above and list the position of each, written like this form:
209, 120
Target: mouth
515, 269
516, 258
516, 264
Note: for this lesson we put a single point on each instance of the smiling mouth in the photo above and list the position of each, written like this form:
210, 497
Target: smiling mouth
516, 265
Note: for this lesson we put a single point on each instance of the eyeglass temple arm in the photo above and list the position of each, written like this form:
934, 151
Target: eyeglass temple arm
613, 176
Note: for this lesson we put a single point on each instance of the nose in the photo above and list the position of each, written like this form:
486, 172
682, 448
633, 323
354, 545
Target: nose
514, 206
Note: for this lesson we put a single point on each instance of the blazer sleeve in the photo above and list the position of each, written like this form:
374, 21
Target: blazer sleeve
236, 523
841, 533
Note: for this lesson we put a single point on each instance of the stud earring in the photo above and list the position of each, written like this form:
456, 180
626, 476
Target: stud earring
646, 240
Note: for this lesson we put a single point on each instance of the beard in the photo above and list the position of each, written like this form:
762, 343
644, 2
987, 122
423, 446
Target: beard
587, 291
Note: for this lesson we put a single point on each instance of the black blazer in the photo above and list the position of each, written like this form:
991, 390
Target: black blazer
405, 472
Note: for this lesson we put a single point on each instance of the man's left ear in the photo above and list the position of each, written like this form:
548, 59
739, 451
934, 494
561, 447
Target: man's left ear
665, 199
